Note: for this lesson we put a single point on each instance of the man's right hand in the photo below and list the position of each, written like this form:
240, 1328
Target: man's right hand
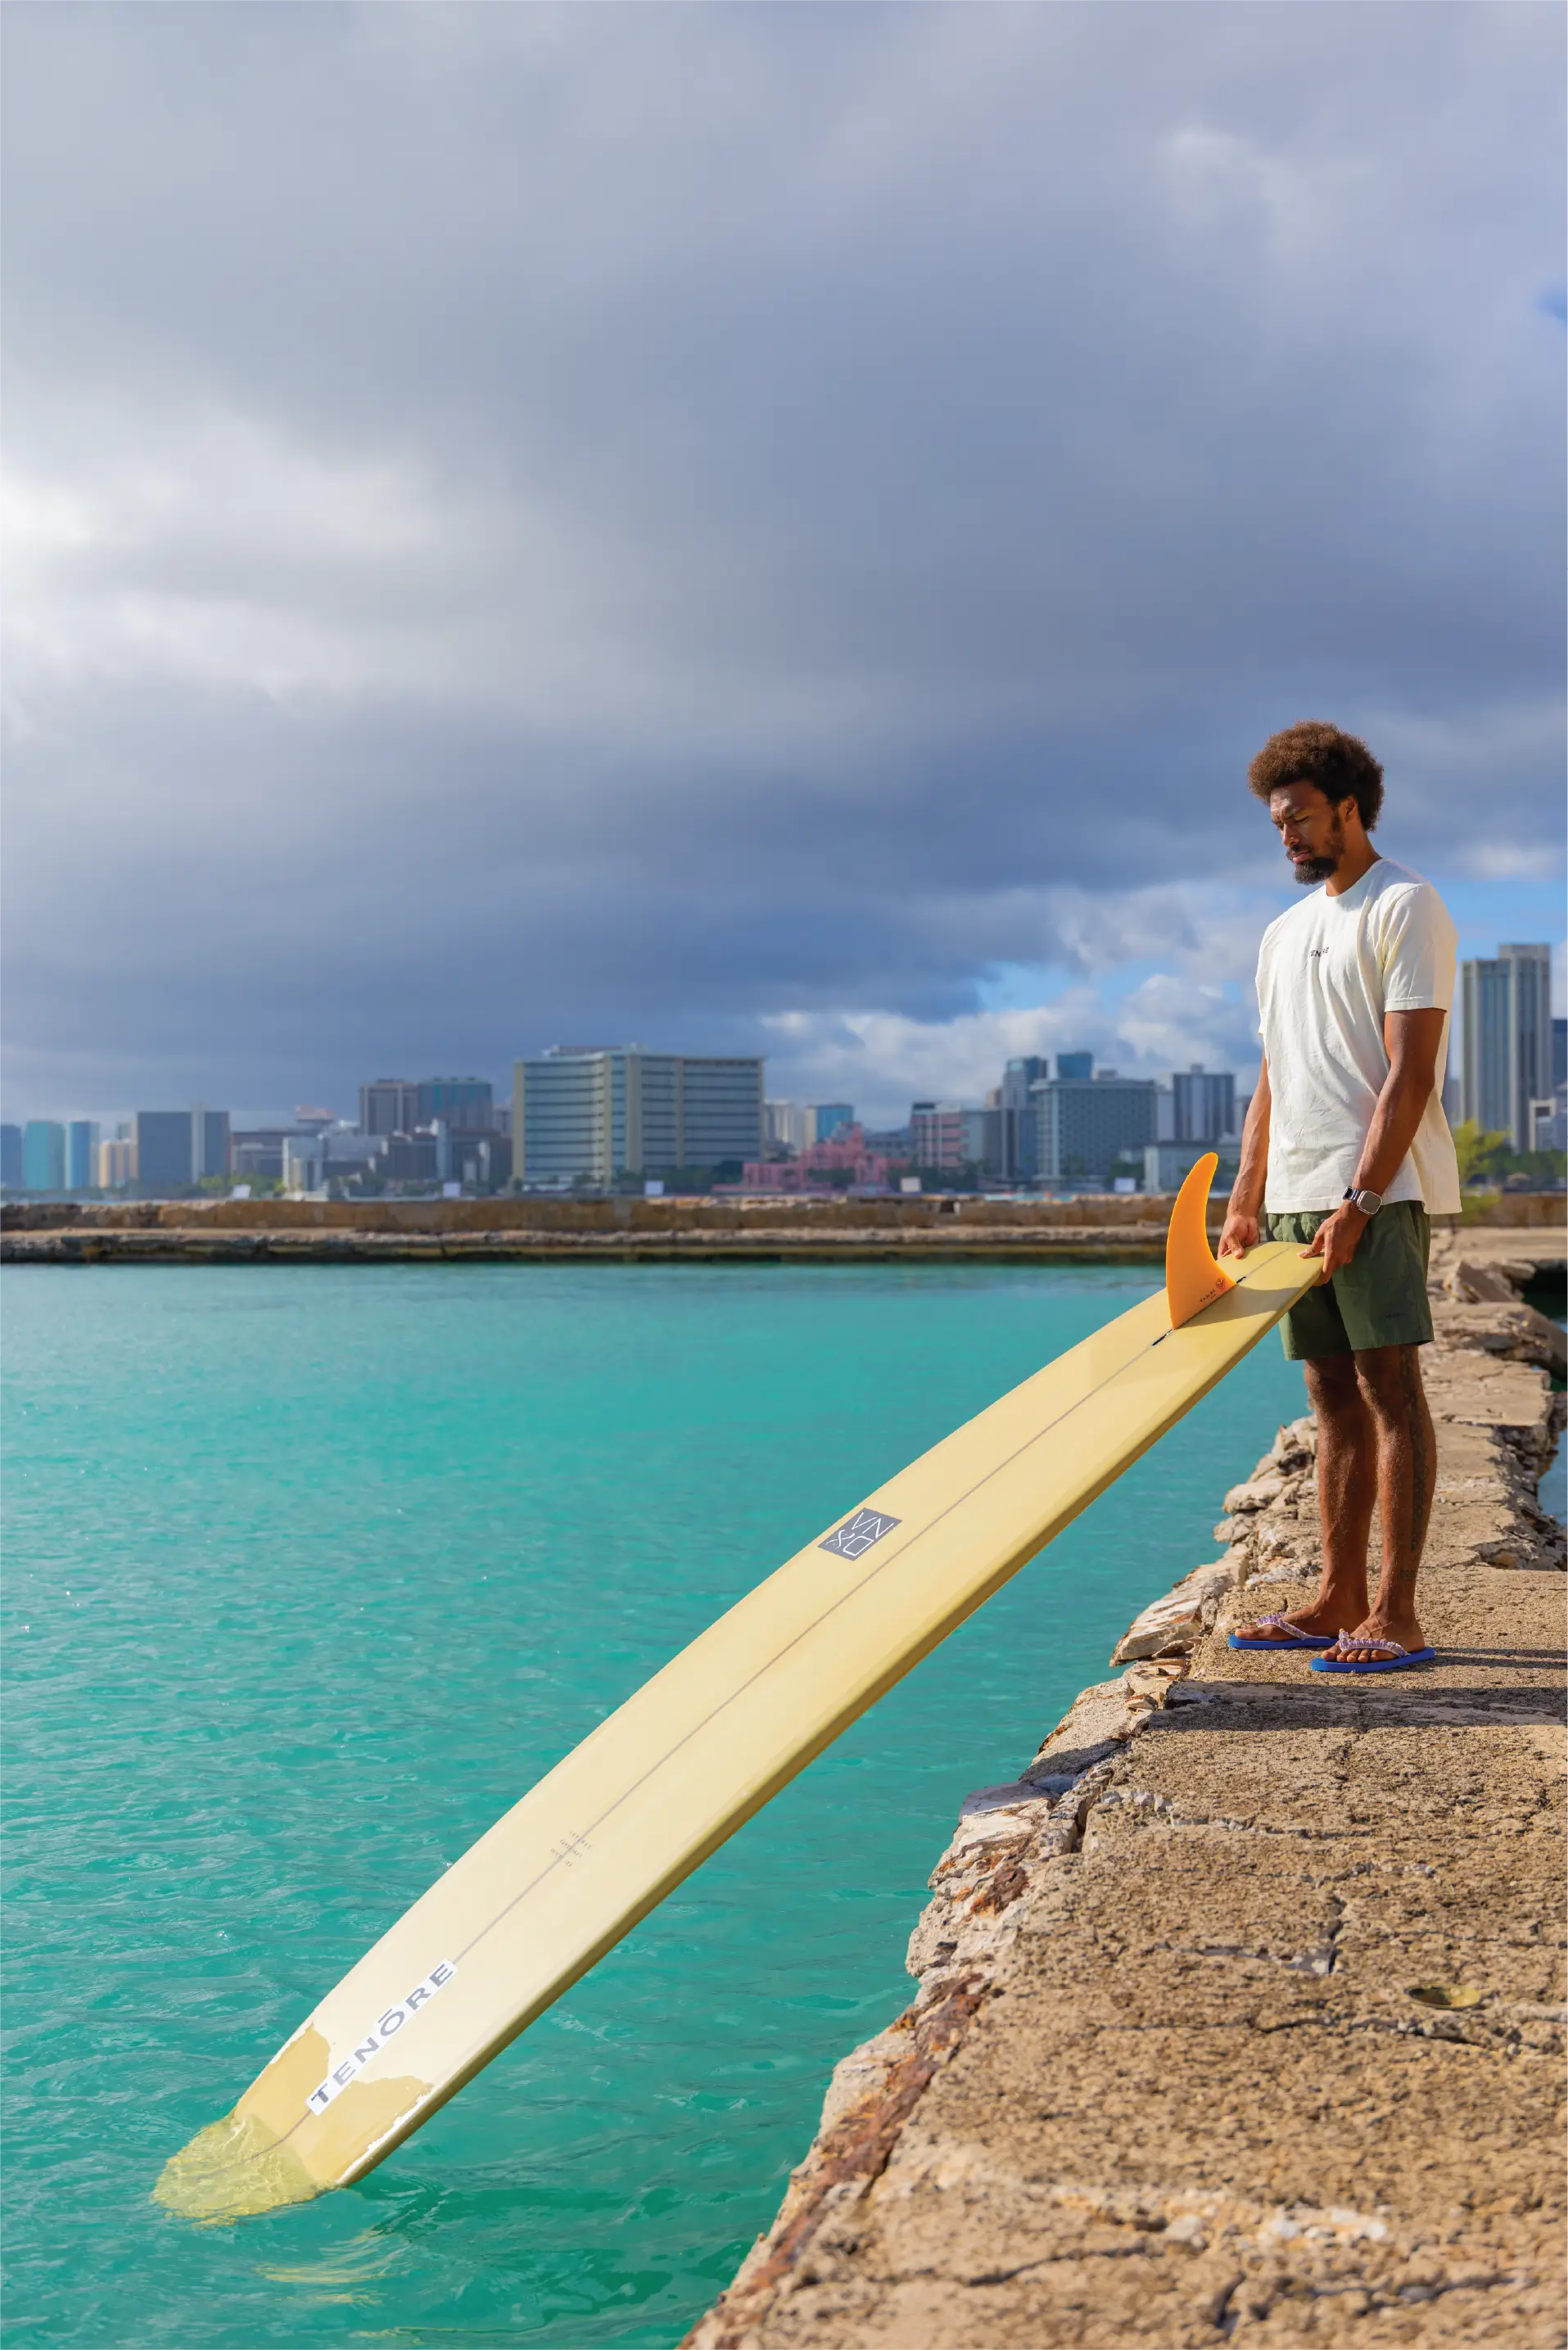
1240, 1233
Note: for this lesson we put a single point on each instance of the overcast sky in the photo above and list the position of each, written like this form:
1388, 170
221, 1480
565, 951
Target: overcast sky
753, 528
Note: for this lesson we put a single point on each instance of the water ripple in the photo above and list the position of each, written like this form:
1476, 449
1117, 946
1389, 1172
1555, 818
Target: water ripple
310, 1575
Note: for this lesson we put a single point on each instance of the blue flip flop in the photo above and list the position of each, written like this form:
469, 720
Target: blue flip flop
1294, 1637
1394, 1662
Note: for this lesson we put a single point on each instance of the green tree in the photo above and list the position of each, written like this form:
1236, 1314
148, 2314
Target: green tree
1481, 1154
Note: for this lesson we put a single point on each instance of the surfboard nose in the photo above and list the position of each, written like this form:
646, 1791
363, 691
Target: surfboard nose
1194, 1277
233, 2169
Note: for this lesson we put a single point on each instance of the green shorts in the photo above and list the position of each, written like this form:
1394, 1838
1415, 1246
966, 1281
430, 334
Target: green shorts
1378, 1299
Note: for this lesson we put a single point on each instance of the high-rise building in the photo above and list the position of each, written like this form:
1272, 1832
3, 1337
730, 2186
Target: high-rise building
1087, 1124
390, 1105
164, 1156
591, 1113
10, 1157
721, 1111
1011, 1151
561, 1119
831, 1116
788, 1126
1559, 1054
1075, 1064
81, 1155
44, 1155
1204, 1104
465, 1102
116, 1163
1506, 1045
404, 1106
941, 1136
209, 1142
1486, 1007
1532, 1034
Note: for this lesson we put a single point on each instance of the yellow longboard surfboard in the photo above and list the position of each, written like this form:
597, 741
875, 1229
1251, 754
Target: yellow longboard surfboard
661, 1783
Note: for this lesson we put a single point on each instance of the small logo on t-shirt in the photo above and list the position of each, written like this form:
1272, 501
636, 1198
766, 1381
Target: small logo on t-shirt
1315, 952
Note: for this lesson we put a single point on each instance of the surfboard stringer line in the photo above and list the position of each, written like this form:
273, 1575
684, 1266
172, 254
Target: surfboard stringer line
716, 1732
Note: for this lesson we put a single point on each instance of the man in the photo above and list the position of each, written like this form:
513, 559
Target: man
1346, 1147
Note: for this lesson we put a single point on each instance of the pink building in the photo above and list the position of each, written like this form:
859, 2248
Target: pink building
844, 1152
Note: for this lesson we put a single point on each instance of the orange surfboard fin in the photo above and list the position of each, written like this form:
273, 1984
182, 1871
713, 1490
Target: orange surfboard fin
1193, 1276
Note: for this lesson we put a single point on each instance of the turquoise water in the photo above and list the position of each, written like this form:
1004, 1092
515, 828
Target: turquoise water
1547, 1298
311, 1573
1555, 1487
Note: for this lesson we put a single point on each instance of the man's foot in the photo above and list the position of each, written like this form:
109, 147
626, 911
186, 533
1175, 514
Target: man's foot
1361, 1652
1370, 1641
1301, 1627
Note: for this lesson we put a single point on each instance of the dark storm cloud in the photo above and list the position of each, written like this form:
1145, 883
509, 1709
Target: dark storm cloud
535, 522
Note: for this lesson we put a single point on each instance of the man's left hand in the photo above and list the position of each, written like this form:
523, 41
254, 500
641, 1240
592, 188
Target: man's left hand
1336, 1239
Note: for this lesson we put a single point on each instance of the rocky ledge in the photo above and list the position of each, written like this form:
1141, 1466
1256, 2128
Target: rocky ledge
1241, 2011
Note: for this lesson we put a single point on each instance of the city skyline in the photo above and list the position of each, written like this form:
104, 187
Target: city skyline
933, 1063
828, 606
273, 1118
602, 1113
587, 1114
873, 1110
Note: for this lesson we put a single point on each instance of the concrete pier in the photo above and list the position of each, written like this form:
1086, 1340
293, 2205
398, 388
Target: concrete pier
1240, 2013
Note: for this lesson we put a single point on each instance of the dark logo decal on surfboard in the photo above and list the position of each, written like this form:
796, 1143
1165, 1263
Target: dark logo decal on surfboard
855, 1537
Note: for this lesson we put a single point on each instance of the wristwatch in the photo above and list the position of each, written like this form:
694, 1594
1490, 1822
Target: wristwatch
1367, 1202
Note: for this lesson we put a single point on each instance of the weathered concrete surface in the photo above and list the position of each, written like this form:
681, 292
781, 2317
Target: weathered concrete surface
1241, 2013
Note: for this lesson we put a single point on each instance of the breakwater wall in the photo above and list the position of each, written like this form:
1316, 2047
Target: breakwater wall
936, 1228
1240, 2013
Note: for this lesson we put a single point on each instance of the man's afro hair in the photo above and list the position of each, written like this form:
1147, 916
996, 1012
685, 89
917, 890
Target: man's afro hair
1341, 766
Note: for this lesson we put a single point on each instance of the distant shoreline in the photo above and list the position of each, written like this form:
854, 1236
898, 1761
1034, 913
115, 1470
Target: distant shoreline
935, 1229
759, 1245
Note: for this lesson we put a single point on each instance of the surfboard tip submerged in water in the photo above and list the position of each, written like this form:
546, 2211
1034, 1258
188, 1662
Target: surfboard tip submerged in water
657, 1787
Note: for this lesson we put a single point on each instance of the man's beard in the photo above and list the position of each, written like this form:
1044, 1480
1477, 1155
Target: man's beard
1311, 870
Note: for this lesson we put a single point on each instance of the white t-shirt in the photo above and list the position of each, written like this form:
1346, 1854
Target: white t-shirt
1327, 972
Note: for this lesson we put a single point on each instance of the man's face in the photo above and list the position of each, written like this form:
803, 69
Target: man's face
1312, 827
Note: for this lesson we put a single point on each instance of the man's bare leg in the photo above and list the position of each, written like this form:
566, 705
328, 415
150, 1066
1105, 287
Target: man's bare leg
1347, 1456
1390, 1378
